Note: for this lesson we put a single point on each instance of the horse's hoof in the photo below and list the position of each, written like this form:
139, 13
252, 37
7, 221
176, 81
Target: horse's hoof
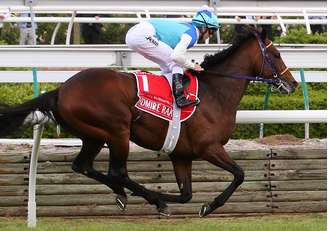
205, 210
121, 202
164, 211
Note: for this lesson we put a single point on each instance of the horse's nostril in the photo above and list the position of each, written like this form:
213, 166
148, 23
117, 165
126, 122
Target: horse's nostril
292, 90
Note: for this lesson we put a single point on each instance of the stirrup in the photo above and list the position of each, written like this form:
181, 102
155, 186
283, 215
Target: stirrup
182, 101
177, 87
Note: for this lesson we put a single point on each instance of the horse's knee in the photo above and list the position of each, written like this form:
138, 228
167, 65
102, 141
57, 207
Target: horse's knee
77, 168
118, 179
239, 176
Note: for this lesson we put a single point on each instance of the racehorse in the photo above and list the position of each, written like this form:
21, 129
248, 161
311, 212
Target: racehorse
97, 105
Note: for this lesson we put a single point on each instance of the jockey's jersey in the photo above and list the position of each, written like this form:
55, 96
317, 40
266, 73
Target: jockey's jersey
170, 32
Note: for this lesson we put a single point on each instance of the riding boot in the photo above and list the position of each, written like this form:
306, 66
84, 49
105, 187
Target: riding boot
178, 93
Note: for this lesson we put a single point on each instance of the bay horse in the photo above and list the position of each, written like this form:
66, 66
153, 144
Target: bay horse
97, 105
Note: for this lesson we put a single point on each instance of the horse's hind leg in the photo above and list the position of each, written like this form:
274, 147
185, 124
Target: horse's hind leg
119, 150
84, 164
220, 158
114, 171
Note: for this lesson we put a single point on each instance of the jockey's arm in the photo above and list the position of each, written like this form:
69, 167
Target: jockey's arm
179, 52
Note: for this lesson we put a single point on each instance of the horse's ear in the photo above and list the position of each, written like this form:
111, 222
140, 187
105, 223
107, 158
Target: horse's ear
264, 33
245, 29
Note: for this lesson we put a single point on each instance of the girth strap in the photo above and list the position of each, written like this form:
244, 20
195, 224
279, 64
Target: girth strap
173, 131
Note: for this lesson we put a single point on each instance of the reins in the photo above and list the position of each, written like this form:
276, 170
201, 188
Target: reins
244, 77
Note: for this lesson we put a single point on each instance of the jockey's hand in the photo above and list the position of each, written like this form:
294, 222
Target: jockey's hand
197, 67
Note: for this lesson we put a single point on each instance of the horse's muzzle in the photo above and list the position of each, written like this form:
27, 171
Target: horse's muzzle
285, 87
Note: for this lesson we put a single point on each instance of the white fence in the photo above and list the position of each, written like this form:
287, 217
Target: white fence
282, 13
286, 21
295, 56
133, 14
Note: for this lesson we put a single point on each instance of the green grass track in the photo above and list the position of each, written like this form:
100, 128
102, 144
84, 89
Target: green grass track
310, 222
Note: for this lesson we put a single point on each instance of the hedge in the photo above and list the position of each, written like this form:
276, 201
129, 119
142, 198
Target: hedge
299, 35
253, 100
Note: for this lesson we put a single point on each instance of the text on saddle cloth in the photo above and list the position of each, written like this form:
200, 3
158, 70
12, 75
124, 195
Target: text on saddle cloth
155, 95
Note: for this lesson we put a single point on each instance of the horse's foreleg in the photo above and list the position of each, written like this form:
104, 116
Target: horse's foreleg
83, 163
220, 158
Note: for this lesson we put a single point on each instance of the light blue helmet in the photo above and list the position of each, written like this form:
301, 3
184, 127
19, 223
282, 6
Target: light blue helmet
206, 18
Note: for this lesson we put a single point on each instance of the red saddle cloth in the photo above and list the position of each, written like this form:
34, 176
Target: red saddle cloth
155, 95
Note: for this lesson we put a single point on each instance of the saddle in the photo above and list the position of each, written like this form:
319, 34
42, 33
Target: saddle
155, 95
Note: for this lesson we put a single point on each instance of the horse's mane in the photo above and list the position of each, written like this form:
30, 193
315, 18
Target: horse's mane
220, 56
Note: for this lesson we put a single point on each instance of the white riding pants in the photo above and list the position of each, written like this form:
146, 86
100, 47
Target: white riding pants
141, 38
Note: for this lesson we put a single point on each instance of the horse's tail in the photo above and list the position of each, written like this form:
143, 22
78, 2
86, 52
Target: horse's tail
12, 118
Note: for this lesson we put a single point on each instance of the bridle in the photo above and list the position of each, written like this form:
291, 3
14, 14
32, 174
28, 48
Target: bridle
266, 59
276, 80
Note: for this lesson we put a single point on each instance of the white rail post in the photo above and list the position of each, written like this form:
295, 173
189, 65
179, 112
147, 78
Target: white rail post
69, 28
32, 22
31, 204
37, 133
54, 34
282, 25
307, 22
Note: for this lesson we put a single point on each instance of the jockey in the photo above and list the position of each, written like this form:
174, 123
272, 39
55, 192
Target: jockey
165, 42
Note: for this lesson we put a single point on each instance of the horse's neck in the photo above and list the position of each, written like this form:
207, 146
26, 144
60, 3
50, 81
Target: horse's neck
228, 91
